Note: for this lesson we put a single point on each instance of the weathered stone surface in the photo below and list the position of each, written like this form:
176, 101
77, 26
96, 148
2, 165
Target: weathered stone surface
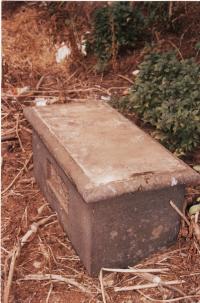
109, 182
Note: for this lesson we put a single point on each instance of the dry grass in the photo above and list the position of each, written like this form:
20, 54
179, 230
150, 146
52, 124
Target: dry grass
34, 46
29, 52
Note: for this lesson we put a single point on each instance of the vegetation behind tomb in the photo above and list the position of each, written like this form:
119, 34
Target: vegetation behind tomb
166, 95
116, 37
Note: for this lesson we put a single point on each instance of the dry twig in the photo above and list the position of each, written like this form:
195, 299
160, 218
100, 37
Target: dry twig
135, 270
49, 293
129, 270
157, 280
57, 278
178, 50
16, 252
17, 176
179, 212
179, 299
193, 224
149, 285
126, 78
17, 133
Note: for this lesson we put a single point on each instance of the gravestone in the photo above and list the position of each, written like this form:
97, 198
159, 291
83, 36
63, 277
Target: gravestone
109, 182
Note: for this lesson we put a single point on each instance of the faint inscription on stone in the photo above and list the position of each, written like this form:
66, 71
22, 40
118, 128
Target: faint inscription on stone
57, 186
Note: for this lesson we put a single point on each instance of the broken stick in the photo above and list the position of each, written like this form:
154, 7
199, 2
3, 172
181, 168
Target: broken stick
16, 252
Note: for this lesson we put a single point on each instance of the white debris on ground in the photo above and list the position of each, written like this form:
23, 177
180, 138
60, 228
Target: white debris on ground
63, 52
174, 181
37, 264
105, 98
23, 90
135, 72
40, 101
82, 47
43, 101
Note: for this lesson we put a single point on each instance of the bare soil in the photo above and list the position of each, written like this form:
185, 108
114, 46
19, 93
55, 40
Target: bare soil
29, 60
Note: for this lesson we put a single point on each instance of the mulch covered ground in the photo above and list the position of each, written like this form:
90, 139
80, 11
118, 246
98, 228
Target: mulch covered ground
38, 261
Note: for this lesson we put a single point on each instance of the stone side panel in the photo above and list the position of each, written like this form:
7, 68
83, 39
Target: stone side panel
131, 227
73, 213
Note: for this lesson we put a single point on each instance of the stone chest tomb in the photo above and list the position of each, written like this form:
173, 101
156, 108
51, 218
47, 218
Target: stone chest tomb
109, 182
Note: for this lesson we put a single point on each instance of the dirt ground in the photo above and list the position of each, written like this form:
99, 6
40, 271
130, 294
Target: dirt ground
29, 61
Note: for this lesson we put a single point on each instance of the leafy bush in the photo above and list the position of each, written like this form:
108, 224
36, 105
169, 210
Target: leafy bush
166, 94
163, 15
157, 11
116, 27
122, 26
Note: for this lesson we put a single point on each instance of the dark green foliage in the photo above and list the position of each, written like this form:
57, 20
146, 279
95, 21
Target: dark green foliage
116, 27
157, 14
197, 46
166, 94
165, 16
124, 26
157, 11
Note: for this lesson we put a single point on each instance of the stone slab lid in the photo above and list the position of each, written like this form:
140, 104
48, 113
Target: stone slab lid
103, 153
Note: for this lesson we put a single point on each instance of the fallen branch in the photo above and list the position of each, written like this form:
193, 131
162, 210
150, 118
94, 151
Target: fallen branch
126, 78
170, 9
102, 287
8, 138
17, 134
17, 176
179, 299
40, 82
135, 270
178, 50
56, 278
149, 285
129, 270
87, 89
179, 212
16, 252
49, 293
157, 280
193, 223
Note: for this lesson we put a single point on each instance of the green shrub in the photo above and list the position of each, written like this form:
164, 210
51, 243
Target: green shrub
159, 16
116, 27
166, 94
123, 26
